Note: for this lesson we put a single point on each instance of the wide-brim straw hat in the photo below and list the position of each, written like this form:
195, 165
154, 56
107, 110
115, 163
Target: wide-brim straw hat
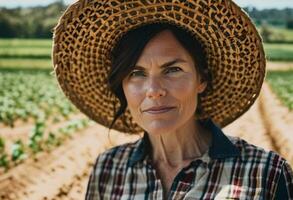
89, 29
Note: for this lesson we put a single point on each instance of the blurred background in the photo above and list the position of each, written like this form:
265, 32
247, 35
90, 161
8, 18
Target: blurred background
47, 147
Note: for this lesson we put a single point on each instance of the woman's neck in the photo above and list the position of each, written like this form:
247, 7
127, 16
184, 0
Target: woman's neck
176, 148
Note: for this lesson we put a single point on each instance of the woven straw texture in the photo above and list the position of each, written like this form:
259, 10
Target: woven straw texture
89, 29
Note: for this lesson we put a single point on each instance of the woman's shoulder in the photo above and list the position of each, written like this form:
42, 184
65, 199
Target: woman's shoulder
275, 171
118, 154
256, 154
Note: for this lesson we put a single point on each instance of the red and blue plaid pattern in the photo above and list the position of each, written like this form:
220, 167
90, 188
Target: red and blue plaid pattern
230, 169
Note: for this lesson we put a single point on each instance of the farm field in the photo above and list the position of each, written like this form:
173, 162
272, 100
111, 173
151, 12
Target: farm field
39, 50
45, 141
282, 34
25, 54
279, 33
282, 84
279, 52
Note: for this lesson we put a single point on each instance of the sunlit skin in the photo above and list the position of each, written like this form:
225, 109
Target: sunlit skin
175, 136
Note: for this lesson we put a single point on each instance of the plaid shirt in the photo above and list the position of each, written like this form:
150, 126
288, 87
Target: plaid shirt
230, 169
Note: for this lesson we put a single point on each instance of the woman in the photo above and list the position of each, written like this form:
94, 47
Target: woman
176, 71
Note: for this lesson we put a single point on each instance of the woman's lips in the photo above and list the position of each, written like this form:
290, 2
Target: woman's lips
158, 110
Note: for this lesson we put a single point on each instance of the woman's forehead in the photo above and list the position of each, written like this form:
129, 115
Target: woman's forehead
162, 40
164, 46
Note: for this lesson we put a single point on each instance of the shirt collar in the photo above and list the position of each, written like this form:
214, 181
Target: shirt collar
220, 148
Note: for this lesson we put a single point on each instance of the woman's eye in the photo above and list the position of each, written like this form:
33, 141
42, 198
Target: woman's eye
136, 73
173, 69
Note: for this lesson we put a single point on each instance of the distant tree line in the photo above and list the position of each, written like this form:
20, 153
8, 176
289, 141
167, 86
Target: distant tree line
35, 22
275, 17
38, 22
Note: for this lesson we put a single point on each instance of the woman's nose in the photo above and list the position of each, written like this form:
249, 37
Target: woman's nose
155, 89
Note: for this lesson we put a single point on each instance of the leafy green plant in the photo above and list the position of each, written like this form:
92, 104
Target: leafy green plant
36, 137
2, 145
4, 162
52, 141
18, 151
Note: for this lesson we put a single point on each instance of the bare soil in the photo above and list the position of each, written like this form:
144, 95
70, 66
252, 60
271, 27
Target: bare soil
280, 66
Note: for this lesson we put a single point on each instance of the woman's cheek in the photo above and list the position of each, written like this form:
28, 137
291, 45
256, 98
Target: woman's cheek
134, 94
182, 87
134, 97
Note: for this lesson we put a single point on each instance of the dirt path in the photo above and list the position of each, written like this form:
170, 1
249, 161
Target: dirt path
23, 129
58, 174
78, 187
54, 171
279, 120
10, 135
251, 128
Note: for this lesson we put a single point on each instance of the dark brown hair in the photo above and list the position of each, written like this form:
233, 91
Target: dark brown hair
129, 48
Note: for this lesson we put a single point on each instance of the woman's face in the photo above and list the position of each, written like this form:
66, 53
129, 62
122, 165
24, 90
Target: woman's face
162, 89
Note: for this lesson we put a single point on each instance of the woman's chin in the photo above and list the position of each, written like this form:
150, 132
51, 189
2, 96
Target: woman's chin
159, 127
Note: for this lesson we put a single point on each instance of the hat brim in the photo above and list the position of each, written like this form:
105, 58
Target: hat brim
88, 31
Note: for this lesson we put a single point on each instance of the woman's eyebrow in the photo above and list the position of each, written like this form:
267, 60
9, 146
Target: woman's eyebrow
167, 64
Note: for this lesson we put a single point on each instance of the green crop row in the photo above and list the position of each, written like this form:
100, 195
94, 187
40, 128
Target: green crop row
28, 53
25, 43
12, 50
282, 84
25, 95
25, 63
282, 34
25, 49
279, 52
37, 142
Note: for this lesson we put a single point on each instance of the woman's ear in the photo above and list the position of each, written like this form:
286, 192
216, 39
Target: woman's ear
201, 86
